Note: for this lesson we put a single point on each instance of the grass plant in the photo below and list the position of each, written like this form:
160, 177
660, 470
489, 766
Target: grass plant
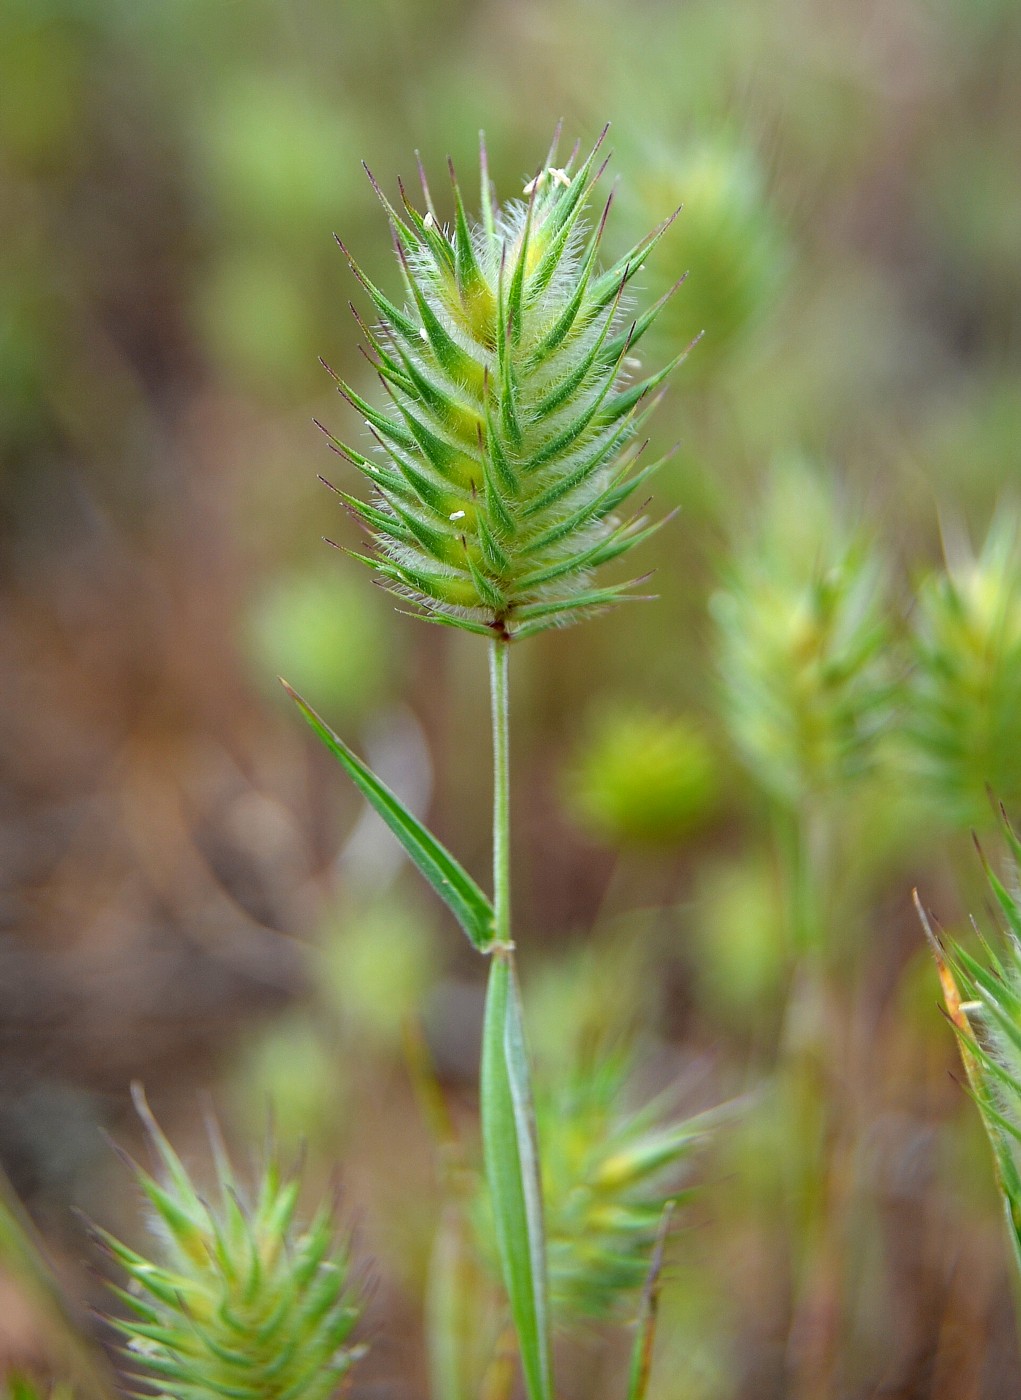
508, 447
502, 463
504, 456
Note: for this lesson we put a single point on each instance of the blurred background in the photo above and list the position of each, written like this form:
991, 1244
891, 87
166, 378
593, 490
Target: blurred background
191, 894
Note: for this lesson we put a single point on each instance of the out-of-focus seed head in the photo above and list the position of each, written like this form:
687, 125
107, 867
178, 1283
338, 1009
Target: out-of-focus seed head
730, 238
802, 633
642, 777
965, 714
982, 992
237, 1302
508, 447
609, 1172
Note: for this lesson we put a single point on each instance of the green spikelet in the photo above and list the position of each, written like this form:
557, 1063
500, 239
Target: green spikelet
983, 999
239, 1301
507, 448
966, 688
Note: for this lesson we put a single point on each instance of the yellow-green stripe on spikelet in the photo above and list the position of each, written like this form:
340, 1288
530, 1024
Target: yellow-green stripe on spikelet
238, 1301
508, 444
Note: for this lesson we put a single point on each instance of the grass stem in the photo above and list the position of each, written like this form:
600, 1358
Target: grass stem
498, 678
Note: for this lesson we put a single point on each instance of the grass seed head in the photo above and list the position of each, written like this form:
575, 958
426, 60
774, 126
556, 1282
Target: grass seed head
237, 1301
505, 455
802, 634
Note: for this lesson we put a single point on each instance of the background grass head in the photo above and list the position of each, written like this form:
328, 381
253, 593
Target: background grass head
237, 1301
966, 687
801, 635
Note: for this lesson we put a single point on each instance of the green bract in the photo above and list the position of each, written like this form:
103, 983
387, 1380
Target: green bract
508, 444
240, 1302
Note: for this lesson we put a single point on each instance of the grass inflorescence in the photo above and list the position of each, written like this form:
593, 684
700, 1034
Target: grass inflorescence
508, 448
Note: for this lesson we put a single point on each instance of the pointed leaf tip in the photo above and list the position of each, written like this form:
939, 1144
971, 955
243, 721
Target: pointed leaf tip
466, 901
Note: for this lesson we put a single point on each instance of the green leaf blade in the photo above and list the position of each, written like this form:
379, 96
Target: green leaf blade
512, 1171
466, 901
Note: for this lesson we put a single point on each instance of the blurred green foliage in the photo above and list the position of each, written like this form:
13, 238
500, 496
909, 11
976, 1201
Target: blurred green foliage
319, 629
727, 242
740, 941
642, 777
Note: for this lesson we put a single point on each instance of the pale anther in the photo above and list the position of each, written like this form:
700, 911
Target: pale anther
556, 174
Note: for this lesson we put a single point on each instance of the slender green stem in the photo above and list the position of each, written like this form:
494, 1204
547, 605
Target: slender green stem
498, 651
509, 1139
22, 1258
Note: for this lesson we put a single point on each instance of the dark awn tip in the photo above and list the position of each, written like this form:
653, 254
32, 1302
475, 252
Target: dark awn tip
122, 1154
373, 182
605, 215
425, 185
557, 131
981, 853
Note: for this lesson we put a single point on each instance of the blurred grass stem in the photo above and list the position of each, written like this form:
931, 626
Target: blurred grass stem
21, 1255
805, 840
